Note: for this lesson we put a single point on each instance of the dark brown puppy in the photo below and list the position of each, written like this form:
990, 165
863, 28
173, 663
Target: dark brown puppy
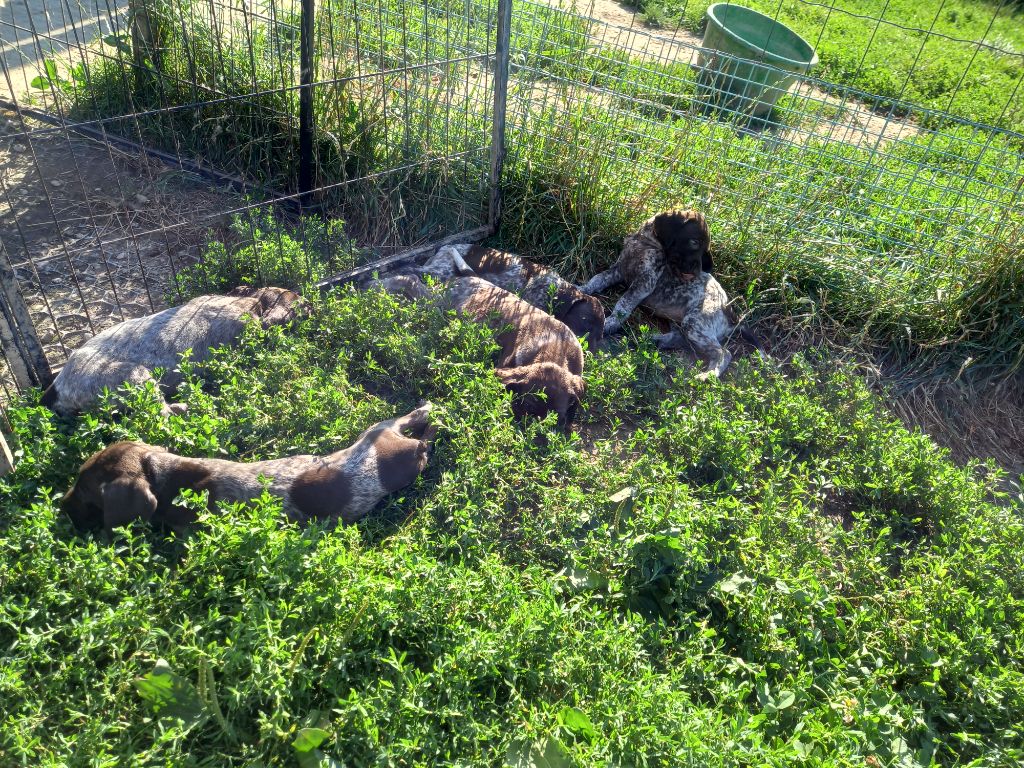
535, 284
134, 481
129, 351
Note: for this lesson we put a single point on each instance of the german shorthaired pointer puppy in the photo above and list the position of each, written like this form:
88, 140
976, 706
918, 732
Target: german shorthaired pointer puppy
540, 360
129, 351
535, 284
667, 266
134, 481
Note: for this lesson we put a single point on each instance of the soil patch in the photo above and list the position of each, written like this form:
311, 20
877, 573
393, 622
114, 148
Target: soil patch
95, 235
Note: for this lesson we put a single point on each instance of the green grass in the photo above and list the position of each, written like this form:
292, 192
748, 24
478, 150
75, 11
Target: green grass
928, 70
766, 571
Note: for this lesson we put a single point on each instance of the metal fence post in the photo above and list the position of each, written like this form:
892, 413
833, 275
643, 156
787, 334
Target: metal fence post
6, 457
306, 34
501, 62
21, 347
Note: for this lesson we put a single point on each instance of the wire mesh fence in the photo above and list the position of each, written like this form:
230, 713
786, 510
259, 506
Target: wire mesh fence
138, 132
137, 135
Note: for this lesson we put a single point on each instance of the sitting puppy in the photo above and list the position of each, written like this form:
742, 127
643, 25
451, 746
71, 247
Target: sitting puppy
535, 284
540, 361
129, 351
134, 481
667, 267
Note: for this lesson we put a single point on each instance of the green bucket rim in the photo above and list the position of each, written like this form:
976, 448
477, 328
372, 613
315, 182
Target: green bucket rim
768, 55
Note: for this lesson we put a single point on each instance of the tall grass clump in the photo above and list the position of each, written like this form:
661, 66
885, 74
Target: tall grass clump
768, 570
262, 249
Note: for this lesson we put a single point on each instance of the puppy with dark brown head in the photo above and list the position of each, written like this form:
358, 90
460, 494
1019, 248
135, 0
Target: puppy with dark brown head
685, 240
129, 351
134, 481
535, 284
540, 360
666, 266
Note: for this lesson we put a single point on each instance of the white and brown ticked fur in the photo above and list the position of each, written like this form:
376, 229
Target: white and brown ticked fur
129, 351
134, 481
666, 266
536, 284
540, 360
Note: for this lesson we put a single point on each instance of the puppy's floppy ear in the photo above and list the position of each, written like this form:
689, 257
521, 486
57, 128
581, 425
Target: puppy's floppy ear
665, 224
575, 385
126, 499
585, 317
706, 265
277, 306
516, 379
76, 506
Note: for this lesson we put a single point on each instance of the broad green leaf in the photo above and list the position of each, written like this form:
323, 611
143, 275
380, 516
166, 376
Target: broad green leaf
620, 496
786, 699
170, 695
117, 42
309, 739
735, 584
41, 83
546, 753
583, 580
51, 68
577, 721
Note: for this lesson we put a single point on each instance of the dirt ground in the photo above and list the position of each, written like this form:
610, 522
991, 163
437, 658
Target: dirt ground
95, 235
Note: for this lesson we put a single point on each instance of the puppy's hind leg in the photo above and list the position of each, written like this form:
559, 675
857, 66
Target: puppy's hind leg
448, 262
674, 339
140, 375
711, 350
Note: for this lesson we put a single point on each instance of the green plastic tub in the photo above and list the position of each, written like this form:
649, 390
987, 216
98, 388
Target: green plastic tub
763, 60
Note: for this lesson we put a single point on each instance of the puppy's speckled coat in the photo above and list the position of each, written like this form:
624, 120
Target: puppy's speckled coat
129, 351
539, 355
134, 481
532, 282
667, 265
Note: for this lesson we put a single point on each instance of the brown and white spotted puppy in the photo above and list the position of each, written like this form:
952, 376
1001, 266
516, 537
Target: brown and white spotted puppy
538, 285
134, 481
666, 266
540, 360
129, 351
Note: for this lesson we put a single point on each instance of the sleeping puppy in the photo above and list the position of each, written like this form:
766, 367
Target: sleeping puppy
539, 355
540, 360
667, 267
535, 284
129, 351
134, 481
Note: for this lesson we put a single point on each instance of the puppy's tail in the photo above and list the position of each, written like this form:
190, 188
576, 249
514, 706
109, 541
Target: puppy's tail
49, 398
753, 340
